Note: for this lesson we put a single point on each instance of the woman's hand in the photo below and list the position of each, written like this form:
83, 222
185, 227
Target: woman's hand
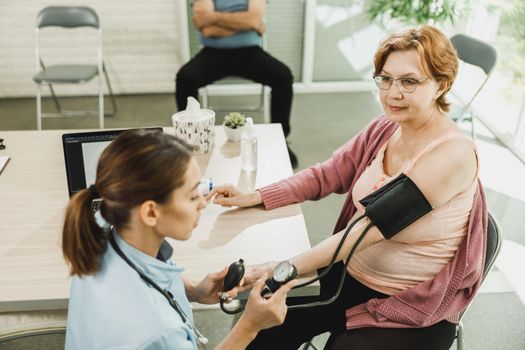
254, 272
261, 313
230, 195
209, 290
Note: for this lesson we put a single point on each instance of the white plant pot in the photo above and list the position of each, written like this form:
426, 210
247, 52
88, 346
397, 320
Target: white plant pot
233, 135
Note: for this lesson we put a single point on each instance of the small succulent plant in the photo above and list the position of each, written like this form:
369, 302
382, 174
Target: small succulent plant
234, 120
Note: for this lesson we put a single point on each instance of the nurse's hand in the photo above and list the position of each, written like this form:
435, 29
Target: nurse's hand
209, 290
261, 313
229, 195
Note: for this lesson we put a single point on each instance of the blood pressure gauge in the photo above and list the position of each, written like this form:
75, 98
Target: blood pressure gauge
284, 271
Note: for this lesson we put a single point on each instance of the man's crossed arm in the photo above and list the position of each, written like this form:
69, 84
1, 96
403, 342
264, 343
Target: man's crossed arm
219, 24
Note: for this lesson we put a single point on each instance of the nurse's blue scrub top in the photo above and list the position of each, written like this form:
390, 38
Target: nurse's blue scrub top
116, 309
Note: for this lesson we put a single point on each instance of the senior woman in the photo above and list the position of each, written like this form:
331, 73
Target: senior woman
406, 292
126, 293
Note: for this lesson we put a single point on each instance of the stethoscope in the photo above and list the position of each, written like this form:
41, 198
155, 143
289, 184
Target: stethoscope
166, 293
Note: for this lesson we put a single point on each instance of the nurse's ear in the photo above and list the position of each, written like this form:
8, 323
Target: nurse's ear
149, 213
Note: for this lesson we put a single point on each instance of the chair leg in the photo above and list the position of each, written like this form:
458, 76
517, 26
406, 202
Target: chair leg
310, 344
204, 93
260, 106
100, 101
39, 108
55, 99
62, 112
459, 336
111, 96
307, 345
266, 106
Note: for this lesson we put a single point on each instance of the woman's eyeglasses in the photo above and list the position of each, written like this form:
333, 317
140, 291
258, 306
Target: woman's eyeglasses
384, 82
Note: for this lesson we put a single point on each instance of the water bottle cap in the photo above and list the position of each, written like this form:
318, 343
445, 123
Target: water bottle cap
249, 129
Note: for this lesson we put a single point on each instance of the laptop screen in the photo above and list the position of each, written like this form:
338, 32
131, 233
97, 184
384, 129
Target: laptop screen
81, 153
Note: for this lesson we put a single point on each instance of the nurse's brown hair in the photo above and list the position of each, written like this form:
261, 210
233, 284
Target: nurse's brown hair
139, 165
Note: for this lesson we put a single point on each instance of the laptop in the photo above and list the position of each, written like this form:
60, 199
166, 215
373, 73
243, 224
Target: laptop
81, 153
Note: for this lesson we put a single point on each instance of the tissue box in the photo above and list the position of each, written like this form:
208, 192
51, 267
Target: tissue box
196, 128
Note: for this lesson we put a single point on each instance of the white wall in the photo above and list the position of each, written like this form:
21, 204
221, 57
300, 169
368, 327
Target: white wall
142, 45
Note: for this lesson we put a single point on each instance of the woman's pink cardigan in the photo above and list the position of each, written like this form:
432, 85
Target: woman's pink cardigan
443, 297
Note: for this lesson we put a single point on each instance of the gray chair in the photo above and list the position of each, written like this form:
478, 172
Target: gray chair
477, 53
494, 239
261, 105
71, 17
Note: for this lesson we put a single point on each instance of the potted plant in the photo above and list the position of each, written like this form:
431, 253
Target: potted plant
418, 12
233, 125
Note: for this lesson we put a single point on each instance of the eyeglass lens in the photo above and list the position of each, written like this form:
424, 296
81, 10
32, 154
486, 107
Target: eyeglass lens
403, 84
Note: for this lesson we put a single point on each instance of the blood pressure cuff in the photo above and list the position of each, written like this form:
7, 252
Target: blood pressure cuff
395, 206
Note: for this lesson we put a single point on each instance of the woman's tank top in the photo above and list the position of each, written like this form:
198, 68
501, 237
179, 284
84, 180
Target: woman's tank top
421, 250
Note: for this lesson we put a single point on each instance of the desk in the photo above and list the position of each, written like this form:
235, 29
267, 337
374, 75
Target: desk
33, 196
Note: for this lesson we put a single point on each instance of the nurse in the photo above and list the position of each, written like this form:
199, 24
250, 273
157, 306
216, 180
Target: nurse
126, 292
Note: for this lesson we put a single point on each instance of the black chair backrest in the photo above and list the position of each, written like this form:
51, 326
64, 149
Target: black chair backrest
493, 244
474, 51
493, 247
68, 17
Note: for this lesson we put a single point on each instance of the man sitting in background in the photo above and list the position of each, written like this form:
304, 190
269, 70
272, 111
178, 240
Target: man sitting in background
230, 33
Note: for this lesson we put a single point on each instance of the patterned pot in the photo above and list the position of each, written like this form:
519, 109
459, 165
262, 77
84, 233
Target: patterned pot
197, 128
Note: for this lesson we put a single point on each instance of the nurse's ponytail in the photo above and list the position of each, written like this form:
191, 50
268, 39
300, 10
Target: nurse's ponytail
83, 241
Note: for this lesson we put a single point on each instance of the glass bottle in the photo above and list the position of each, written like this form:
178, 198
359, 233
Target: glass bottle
248, 147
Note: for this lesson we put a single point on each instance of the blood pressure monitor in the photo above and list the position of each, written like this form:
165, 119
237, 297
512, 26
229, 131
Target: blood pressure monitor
284, 272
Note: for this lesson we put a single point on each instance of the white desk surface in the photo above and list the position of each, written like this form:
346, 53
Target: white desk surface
33, 196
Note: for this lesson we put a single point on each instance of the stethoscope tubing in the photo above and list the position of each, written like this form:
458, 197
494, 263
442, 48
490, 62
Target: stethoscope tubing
322, 274
173, 303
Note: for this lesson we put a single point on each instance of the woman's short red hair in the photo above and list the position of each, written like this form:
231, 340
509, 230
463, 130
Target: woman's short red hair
438, 56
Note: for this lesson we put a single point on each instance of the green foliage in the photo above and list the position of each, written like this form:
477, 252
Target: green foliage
511, 47
418, 11
513, 24
234, 120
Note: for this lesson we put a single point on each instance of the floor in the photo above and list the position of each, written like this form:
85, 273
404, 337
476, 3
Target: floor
321, 123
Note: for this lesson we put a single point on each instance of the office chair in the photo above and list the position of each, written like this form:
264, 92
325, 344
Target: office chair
71, 17
494, 239
262, 103
477, 53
